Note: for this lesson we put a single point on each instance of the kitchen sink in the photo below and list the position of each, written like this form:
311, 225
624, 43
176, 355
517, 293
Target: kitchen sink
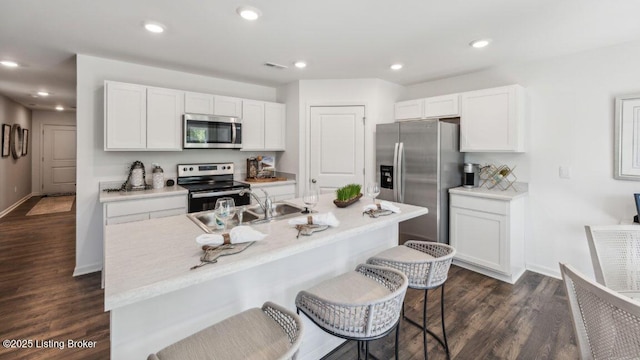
252, 215
277, 209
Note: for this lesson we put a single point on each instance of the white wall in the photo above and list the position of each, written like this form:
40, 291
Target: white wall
376, 95
15, 174
95, 165
41, 118
571, 103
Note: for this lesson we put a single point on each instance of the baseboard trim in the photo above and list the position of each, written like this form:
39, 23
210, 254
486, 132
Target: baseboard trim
87, 269
545, 271
18, 203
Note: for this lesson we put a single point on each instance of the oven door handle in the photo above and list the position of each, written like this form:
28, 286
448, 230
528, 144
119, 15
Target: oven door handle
215, 193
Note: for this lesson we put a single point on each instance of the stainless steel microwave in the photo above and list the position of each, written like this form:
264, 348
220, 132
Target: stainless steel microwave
212, 132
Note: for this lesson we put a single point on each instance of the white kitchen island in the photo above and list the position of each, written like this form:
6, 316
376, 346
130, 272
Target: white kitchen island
155, 300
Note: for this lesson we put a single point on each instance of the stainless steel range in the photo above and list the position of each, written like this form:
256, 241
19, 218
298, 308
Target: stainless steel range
209, 182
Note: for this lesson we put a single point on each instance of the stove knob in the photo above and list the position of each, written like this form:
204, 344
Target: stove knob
184, 169
190, 169
224, 167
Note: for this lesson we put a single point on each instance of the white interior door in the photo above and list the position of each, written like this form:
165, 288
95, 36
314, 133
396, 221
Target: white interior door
336, 146
59, 159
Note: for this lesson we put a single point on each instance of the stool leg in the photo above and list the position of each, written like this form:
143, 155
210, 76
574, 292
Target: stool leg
358, 349
424, 324
366, 350
444, 332
397, 338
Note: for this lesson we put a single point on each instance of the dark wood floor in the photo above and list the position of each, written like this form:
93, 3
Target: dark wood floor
39, 298
486, 318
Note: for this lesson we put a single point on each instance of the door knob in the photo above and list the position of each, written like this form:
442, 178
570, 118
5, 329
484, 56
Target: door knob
313, 181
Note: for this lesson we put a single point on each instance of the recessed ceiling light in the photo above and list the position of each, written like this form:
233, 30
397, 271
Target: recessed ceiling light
300, 64
249, 12
9, 63
154, 27
43, 93
396, 66
478, 44
59, 108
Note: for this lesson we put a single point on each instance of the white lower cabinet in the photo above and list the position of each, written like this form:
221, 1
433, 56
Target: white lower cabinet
119, 212
488, 235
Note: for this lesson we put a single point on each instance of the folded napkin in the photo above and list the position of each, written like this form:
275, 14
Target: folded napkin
237, 235
317, 219
384, 205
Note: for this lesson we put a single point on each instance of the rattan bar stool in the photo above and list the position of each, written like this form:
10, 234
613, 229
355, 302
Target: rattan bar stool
426, 265
268, 333
360, 305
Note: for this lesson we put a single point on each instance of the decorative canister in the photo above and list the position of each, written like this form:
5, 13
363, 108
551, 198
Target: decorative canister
158, 177
137, 175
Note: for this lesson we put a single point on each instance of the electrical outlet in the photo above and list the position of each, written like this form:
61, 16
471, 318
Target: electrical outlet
564, 172
15, 189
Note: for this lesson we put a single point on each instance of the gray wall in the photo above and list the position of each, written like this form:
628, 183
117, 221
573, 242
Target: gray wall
15, 175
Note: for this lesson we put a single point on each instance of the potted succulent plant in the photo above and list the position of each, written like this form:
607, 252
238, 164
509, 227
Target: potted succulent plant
347, 195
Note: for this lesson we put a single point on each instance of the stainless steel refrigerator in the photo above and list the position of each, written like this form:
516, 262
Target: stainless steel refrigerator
417, 162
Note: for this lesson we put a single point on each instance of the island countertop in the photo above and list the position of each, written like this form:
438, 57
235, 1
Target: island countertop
153, 257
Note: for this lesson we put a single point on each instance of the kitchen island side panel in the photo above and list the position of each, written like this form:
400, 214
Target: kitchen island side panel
144, 327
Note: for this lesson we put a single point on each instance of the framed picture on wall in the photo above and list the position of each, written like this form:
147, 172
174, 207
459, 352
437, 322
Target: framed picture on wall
25, 141
6, 140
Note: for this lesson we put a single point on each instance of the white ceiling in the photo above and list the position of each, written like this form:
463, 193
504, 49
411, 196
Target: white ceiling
338, 38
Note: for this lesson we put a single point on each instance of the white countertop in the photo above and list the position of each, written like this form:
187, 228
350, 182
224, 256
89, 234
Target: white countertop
152, 257
495, 193
141, 194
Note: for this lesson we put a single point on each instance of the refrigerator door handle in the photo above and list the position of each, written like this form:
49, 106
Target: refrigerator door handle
395, 173
401, 172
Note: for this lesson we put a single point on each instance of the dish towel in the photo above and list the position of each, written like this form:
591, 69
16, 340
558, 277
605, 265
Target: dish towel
318, 219
384, 205
237, 235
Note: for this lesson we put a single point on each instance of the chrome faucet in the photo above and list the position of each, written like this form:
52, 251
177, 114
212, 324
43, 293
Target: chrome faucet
266, 207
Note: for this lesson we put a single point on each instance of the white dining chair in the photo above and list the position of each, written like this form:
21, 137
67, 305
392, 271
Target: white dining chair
615, 254
606, 323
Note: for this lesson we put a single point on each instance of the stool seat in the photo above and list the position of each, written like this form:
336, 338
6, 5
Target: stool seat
350, 288
425, 263
360, 305
270, 332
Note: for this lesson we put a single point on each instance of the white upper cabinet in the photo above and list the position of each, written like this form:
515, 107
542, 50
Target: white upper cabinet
432, 107
442, 106
164, 114
253, 125
198, 103
274, 126
227, 106
410, 109
263, 126
125, 125
141, 118
493, 120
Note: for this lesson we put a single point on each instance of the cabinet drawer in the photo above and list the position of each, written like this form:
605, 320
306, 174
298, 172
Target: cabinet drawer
166, 213
127, 218
146, 205
480, 204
